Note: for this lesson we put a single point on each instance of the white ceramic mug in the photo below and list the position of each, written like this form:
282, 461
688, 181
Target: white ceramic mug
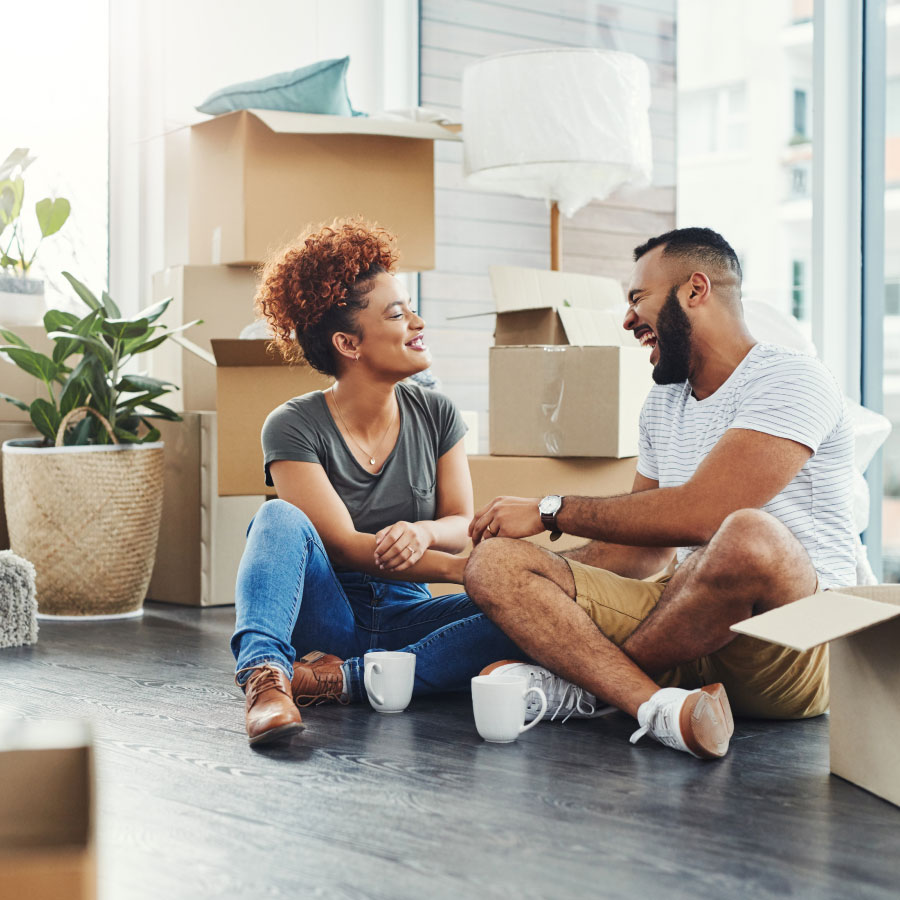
388, 678
499, 706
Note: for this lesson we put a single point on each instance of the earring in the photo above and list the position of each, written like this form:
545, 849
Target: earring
357, 357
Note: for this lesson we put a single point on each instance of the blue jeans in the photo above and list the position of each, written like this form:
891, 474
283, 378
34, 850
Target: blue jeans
289, 600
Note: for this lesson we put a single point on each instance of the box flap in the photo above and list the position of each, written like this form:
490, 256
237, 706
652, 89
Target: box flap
594, 327
816, 620
312, 123
235, 352
515, 288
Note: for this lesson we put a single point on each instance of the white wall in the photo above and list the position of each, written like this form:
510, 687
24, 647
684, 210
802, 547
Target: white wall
166, 56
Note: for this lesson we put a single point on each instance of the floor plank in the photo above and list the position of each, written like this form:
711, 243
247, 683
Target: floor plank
417, 806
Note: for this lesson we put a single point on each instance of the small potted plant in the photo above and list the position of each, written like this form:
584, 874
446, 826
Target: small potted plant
21, 297
83, 502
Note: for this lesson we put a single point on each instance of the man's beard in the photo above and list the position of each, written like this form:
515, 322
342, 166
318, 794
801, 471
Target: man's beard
673, 333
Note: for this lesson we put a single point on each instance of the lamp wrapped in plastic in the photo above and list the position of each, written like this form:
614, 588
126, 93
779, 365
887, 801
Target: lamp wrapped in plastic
565, 125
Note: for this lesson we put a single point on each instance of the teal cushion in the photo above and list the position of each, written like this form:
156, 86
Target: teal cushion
318, 88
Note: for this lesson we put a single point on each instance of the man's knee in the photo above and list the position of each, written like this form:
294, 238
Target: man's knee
490, 565
751, 542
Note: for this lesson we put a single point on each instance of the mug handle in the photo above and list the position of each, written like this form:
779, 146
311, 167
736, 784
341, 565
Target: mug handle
367, 682
540, 715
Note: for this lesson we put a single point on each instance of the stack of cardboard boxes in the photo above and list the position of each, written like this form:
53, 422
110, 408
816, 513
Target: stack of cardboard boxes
566, 388
246, 183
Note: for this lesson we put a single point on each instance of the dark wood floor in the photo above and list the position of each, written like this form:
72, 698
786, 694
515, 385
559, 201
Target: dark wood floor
417, 806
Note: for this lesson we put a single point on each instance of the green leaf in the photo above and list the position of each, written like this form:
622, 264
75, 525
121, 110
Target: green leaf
12, 193
86, 296
18, 159
81, 433
131, 383
46, 418
32, 362
152, 435
11, 338
87, 342
161, 412
139, 345
77, 389
19, 403
120, 329
152, 313
129, 437
110, 306
101, 395
57, 319
52, 214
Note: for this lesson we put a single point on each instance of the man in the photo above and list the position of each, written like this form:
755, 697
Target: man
744, 469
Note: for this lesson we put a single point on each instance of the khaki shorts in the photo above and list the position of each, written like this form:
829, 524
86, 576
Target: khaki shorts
762, 680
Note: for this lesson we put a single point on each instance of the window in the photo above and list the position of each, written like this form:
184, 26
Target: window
713, 121
798, 291
892, 298
801, 119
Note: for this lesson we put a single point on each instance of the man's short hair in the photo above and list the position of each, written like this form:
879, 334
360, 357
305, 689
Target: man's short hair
703, 245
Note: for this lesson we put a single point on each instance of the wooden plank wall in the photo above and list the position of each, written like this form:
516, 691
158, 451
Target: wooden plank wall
476, 230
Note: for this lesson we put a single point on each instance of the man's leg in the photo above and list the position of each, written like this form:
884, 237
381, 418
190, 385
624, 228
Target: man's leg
528, 592
752, 564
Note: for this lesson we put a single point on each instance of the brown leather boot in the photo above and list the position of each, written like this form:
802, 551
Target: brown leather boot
318, 679
271, 713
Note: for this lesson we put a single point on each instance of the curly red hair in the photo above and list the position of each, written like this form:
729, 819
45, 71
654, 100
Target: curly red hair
311, 282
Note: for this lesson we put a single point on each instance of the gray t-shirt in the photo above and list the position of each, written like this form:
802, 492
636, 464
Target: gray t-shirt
303, 430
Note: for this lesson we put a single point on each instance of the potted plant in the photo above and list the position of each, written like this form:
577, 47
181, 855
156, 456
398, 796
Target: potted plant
21, 297
83, 502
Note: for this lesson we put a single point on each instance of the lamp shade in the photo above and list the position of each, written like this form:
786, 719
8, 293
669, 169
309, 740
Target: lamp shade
565, 125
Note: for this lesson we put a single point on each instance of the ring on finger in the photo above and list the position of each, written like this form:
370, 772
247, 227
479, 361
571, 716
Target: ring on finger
491, 530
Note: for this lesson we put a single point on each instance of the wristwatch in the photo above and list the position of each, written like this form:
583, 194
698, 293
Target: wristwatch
549, 507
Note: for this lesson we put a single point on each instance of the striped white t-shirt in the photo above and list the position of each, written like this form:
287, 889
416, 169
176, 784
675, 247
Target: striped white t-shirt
783, 393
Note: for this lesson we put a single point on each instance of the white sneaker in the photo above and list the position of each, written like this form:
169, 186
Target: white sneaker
563, 697
697, 722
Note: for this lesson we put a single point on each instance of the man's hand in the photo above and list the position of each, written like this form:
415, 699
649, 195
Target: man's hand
514, 517
400, 545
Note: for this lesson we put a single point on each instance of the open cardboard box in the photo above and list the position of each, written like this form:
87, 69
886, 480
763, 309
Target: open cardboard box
523, 476
251, 380
202, 535
566, 379
222, 296
47, 849
257, 178
862, 627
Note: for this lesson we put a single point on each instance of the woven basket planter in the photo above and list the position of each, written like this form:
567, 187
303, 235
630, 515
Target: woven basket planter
88, 519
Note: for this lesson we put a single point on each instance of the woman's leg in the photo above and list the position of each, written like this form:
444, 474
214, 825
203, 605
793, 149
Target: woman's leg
284, 567
451, 639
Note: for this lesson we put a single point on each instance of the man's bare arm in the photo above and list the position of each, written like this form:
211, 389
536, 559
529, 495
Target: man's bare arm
744, 470
630, 562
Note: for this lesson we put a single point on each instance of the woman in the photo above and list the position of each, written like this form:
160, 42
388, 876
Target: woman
374, 496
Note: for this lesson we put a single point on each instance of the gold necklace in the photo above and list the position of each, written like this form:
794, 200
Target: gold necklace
352, 437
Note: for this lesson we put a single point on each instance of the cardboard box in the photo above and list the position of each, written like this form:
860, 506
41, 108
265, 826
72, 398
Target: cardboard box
251, 380
260, 177
222, 296
11, 431
862, 627
566, 401
522, 476
47, 849
202, 535
17, 383
566, 379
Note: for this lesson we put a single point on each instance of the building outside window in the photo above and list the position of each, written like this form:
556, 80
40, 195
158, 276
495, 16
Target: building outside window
799, 309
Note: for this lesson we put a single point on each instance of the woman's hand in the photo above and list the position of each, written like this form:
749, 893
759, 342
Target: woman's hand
400, 545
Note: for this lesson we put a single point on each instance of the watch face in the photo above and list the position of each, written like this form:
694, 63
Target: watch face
550, 505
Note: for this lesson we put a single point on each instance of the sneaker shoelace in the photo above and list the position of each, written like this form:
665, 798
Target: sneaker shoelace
572, 698
661, 724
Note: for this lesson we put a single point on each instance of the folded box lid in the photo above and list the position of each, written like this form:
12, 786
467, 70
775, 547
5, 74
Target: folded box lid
590, 308
283, 122
237, 352
823, 617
